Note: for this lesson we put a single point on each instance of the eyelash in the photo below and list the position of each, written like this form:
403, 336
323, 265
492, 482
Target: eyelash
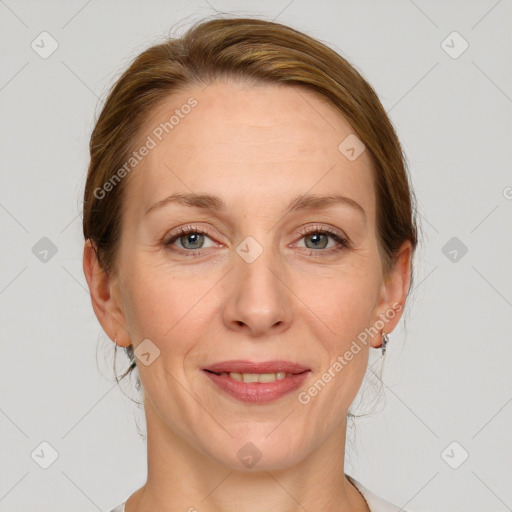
342, 241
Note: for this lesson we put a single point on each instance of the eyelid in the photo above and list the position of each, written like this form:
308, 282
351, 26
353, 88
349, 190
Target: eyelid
188, 228
185, 230
330, 230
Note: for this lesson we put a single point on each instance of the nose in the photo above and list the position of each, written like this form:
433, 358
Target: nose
258, 300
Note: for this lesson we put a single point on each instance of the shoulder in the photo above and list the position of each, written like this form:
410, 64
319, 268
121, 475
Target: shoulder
375, 503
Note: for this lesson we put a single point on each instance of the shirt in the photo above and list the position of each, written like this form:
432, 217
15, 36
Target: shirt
375, 504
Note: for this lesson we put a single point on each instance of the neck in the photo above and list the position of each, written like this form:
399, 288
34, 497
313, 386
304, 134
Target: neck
182, 478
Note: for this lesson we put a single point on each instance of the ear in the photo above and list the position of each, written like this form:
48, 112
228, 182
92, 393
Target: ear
105, 297
393, 293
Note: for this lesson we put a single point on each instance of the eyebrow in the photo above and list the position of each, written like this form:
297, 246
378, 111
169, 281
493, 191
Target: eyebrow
300, 203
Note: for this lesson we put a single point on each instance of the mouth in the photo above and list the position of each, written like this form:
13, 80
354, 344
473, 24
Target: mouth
257, 382
250, 367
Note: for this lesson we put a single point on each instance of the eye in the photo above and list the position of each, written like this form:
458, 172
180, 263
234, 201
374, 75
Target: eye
317, 239
190, 241
190, 238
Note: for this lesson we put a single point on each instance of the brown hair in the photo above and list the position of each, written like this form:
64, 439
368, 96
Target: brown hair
254, 51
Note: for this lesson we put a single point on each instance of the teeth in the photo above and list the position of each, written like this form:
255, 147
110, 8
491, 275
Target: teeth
257, 377
270, 377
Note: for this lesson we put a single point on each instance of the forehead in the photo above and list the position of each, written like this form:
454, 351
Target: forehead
245, 142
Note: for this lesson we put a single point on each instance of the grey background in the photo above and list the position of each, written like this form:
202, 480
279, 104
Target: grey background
446, 377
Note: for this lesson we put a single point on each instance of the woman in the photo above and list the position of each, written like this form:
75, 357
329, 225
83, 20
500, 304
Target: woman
249, 232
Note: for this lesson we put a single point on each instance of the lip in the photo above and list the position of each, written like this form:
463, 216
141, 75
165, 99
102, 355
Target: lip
240, 366
257, 392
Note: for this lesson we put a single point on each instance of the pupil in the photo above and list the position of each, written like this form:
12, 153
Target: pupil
316, 237
193, 236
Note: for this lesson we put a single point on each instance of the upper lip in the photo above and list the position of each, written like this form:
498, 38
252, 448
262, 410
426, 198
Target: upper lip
238, 366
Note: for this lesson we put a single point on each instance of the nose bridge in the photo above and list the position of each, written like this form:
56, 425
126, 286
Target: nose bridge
256, 265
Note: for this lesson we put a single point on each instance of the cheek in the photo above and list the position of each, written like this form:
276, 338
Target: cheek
346, 302
163, 301
354, 309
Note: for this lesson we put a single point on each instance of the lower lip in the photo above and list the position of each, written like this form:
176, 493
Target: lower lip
258, 392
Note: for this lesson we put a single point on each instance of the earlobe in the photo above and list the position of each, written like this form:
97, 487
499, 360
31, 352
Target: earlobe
105, 303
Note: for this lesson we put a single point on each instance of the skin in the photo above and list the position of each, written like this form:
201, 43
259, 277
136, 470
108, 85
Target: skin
257, 147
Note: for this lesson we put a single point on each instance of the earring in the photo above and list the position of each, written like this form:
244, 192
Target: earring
385, 340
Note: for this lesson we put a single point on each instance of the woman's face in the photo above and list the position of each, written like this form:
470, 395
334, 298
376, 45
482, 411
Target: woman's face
257, 278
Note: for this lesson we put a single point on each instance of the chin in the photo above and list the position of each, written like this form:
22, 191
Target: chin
258, 452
